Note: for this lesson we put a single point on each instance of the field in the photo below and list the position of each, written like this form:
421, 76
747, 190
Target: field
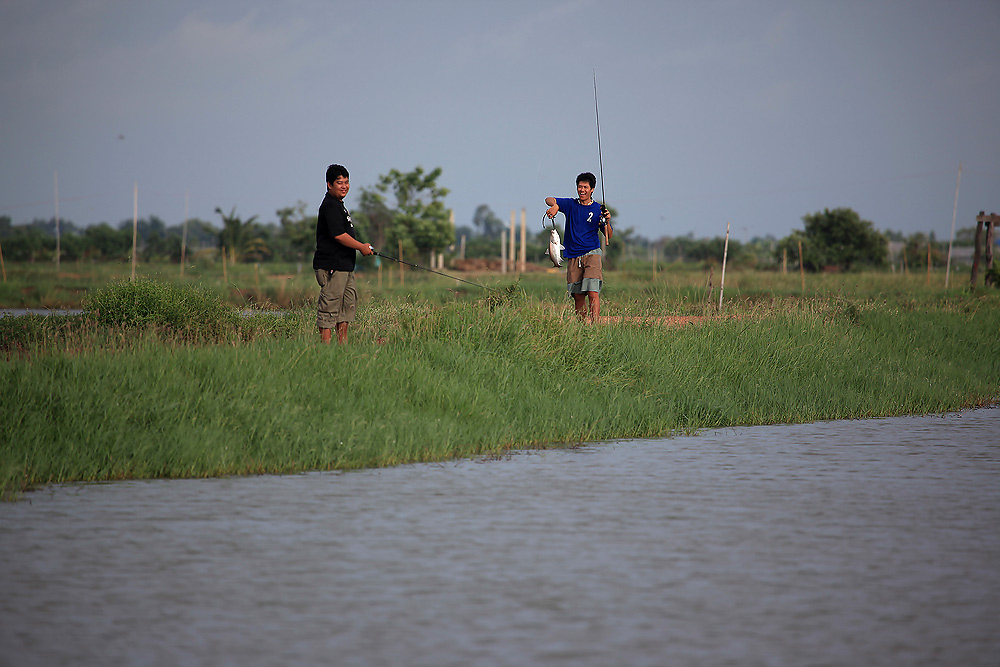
199, 376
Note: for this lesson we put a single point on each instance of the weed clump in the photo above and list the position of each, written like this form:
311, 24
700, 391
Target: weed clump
144, 302
511, 295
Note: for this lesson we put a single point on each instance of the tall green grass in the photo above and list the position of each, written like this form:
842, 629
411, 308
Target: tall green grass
432, 380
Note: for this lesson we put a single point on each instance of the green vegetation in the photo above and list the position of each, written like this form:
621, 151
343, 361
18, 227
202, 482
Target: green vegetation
839, 239
417, 220
167, 380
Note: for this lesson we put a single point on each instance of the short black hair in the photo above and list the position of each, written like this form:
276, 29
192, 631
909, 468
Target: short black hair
335, 171
587, 177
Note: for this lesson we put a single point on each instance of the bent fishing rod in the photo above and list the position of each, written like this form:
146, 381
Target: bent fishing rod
424, 268
600, 156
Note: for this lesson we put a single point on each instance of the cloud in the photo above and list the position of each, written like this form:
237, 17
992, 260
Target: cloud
514, 32
112, 65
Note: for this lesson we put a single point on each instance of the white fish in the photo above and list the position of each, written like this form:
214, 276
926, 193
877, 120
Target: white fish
555, 248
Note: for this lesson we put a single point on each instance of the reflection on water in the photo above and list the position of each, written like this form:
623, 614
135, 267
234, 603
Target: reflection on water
864, 542
20, 312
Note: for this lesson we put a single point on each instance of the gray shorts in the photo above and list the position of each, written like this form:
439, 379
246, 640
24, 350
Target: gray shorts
338, 298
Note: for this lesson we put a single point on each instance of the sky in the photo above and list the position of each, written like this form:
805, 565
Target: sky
712, 112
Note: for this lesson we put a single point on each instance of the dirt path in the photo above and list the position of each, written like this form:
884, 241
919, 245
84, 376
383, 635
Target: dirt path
664, 320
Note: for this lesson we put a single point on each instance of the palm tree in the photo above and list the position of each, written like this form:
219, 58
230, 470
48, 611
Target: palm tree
233, 232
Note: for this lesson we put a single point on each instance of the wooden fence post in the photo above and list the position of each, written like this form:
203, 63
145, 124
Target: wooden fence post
990, 242
802, 268
928, 261
522, 263
513, 242
977, 251
991, 224
503, 250
986, 239
725, 254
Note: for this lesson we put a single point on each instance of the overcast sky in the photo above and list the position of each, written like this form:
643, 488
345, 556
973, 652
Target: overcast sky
754, 113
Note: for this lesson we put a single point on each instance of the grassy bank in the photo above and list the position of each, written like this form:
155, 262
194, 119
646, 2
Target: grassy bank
428, 380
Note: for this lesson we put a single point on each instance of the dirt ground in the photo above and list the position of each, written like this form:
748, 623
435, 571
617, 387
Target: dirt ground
493, 265
664, 320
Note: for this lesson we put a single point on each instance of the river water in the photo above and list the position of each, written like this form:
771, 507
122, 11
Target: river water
837, 543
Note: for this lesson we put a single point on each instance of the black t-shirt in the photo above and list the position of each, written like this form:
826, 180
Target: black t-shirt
332, 221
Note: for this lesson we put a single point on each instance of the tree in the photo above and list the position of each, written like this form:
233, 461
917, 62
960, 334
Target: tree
482, 238
244, 239
101, 242
965, 236
837, 238
152, 236
298, 229
28, 243
200, 234
916, 249
487, 223
420, 219
372, 217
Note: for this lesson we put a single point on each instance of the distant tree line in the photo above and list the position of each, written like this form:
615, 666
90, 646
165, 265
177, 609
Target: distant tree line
402, 209
36, 241
407, 210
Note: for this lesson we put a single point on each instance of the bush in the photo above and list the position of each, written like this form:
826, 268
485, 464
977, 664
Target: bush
143, 303
993, 276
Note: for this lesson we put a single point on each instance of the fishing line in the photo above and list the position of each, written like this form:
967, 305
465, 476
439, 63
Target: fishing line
552, 220
424, 268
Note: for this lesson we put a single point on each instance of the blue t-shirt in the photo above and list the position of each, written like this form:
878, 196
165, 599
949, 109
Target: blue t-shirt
581, 227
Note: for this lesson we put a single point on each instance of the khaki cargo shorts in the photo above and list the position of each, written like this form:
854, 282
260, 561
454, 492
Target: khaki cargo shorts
338, 298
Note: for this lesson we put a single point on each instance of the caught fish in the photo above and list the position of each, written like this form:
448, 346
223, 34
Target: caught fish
555, 248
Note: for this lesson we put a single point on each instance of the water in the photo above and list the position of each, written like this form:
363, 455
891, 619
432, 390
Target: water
840, 543
48, 312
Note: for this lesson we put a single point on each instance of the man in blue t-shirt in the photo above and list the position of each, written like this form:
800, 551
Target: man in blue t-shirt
584, 217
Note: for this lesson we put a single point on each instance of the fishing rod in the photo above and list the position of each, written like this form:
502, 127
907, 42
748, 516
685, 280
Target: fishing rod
600, 156
424, 268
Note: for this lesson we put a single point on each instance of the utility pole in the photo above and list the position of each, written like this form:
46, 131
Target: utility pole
184, 234
135, 223
524, 241
954, 212
55, 178
513, 242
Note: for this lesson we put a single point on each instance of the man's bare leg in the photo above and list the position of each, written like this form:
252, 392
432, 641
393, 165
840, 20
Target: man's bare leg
342, 332
324, 335
580, 303
595, 305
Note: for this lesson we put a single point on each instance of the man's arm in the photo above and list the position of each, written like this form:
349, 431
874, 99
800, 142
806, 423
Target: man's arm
351, 242
553, 207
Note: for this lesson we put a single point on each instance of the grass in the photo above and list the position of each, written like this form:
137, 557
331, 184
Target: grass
169, 380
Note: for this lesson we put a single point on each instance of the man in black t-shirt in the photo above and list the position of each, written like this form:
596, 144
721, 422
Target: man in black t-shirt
335, 257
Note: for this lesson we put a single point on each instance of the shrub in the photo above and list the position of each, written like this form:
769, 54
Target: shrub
143, 303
